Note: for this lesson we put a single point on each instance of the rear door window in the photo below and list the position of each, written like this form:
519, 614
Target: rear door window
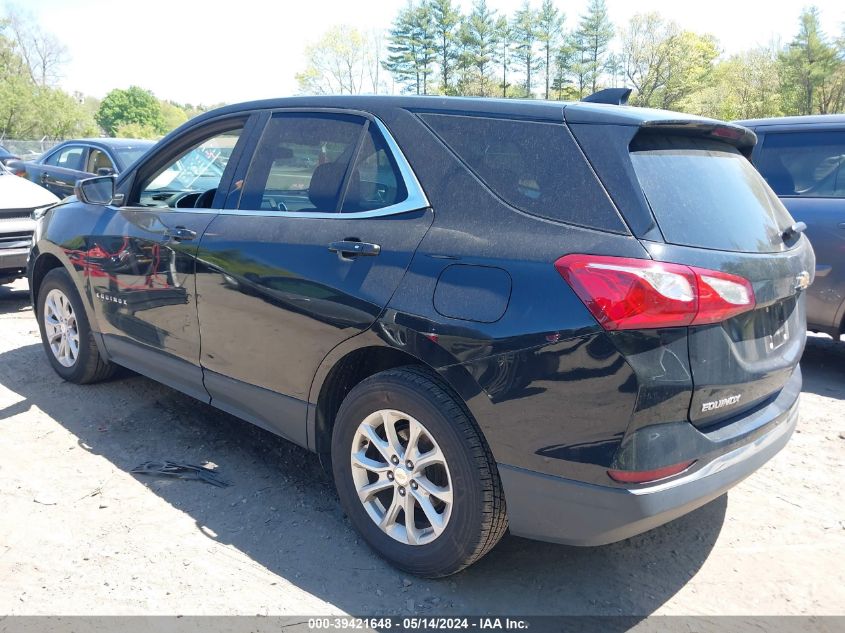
805, 164
301, 163
375, 181
535, 167
70, 157
705, 193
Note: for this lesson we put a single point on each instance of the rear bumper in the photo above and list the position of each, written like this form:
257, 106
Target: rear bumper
548, 508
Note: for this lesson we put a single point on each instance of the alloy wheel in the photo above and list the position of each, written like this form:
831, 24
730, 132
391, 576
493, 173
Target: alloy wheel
401, 477
61, 328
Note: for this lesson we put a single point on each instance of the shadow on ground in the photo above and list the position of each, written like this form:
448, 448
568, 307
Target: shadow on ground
282, 512
823, 365
13, 299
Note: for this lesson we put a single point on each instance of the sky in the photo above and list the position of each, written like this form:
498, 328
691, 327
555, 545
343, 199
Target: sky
210, 51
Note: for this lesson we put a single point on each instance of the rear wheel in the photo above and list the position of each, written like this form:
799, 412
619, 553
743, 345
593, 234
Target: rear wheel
65, 332
414, 474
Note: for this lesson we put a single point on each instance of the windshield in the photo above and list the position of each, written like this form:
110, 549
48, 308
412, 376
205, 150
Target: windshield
198, 170
705, 193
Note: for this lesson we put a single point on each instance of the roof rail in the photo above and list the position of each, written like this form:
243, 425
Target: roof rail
612, 96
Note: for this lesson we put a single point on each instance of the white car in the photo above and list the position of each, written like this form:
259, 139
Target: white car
19, 198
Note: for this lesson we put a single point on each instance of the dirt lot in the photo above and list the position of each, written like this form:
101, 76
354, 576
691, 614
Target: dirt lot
80, 535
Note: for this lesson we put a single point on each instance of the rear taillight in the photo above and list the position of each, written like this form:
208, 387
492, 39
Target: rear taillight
625, 293
647, 476
721, 296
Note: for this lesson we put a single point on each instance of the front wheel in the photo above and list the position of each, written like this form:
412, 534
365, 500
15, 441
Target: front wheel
414, 475
65, 332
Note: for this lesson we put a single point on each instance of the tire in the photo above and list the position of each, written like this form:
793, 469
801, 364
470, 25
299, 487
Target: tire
467, 523
81, 365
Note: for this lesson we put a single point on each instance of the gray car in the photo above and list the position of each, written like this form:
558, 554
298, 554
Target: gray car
803, 160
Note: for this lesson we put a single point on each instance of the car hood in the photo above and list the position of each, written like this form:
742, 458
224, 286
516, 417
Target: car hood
19, 193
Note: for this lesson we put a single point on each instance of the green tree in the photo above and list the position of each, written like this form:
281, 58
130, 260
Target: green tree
412, 49
812, 70
447, 20
525, 44
743, 86
479, 38
504, 35
339, 63
563, 67
133, 105
591, 40
137, 130
664, 64
615, 68
30, 106
172, 115
549, 27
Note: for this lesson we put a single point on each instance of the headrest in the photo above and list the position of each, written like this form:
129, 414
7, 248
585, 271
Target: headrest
324, 190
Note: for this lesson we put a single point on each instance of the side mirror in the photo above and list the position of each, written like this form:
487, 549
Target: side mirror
105, 171
98, 190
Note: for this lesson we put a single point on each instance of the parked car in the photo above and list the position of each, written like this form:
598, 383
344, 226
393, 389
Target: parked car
803, 160
19, 199
578, 321
6, 156
58, 169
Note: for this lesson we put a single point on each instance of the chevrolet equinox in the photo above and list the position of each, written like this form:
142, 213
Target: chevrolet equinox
573, 321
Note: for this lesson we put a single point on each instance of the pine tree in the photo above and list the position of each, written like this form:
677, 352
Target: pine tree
504, 33
447, 20
525, 44
412, 48
549, 26
591, 40
615, 69
813, 74
479, 39
401, 60
425, 37
563, 69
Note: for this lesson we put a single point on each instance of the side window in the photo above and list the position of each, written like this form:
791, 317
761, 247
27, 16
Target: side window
71, 157
806, 164
301, 163
191, 178
375, 181
535, 167
98, 159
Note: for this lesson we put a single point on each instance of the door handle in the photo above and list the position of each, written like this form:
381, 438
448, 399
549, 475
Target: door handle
354, 248
179, 234
43, 177
842, 225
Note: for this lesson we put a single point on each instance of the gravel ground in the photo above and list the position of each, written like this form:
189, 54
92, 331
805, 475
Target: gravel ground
79, 534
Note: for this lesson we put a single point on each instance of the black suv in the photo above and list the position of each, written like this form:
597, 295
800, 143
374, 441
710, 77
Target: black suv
578, 321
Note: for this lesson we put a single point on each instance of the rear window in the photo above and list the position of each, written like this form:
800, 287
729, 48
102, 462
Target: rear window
705, 193
535, 167
806, 164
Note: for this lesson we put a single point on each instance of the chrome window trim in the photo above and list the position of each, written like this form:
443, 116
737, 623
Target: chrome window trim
415, 200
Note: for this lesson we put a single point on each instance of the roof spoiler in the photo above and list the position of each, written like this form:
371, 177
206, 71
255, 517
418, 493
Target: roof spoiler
740, 137
612, 96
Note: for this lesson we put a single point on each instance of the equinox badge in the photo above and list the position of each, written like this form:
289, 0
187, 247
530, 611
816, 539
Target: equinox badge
718, 404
